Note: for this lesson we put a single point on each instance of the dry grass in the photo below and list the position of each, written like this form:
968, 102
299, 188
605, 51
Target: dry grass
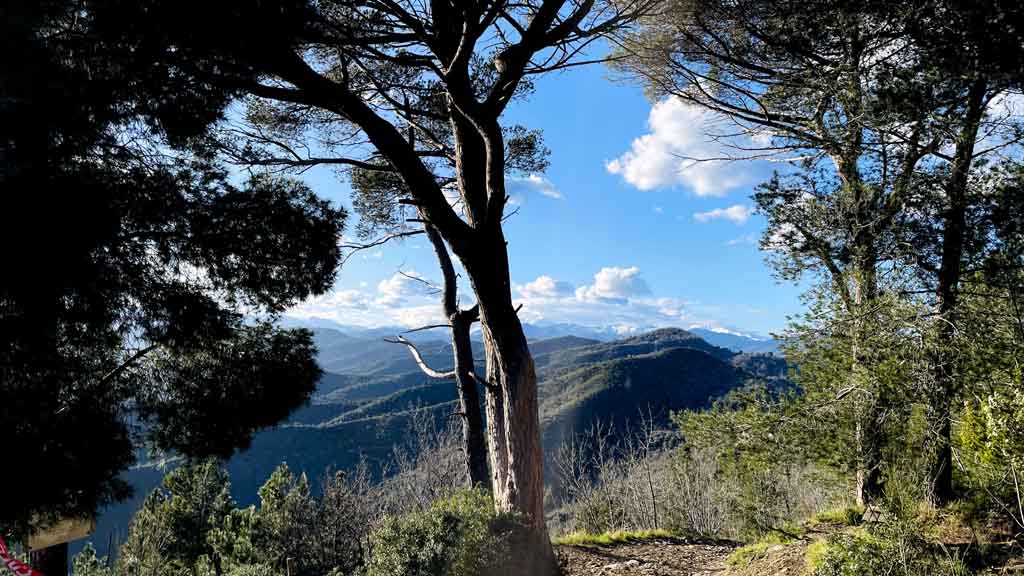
611, 538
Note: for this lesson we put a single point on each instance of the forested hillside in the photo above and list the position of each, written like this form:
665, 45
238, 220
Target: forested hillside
364, 411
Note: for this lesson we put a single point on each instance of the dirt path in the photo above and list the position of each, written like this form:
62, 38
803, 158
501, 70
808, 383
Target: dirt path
655, 558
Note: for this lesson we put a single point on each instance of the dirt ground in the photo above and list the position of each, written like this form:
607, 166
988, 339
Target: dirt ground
655, 558
676, 558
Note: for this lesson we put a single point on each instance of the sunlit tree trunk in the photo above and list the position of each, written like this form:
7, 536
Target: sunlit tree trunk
513, 423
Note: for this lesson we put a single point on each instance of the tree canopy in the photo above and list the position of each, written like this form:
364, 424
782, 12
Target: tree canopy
143, 277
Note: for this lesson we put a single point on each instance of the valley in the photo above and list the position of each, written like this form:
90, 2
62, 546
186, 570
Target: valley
370, 389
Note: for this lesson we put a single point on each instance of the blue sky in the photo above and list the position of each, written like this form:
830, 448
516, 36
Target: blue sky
621, 231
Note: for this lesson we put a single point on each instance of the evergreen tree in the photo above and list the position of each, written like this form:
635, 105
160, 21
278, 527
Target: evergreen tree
876, 105
134, 261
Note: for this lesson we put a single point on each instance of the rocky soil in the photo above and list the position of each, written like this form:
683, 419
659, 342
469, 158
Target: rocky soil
655, 558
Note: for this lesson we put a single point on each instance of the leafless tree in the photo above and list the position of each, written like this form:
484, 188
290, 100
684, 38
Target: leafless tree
426, 468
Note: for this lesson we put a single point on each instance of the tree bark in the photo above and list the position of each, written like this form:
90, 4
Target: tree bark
869, 424
947, 291
469, 401
513, 422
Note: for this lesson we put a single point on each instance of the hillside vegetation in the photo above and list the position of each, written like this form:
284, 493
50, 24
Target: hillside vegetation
365, 410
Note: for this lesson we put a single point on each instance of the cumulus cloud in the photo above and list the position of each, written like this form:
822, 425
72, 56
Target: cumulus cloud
520, 186
1006, 105
625, 306
667, 307
350, 299
737, 213
782, 238
618, 298
668, 155
395, 289
545, 287
397, 300
624, 330
614, 284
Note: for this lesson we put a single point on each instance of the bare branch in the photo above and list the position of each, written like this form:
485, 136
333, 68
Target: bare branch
427, 327
419, 359
353, 248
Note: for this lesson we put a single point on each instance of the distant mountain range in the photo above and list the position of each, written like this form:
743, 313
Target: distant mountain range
735, 341
364, 401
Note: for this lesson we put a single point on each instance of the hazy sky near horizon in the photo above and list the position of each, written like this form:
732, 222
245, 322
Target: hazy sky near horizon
621, 230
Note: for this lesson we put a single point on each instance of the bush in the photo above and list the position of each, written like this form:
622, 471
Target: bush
746, 555
897, 548
853, 555
458, 536
845, 516
87, 563
252, 570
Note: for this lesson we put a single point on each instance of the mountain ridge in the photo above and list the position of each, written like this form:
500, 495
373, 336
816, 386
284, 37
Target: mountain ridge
370, 389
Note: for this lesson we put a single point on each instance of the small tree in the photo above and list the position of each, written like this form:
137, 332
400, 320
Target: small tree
173, 530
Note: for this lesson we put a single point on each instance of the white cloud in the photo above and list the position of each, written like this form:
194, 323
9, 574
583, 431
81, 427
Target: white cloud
614, 284
353, 298
618, 298
395, 289
659, 210
669, 154
625, 330
625, 307
668, 307
397, 300
1006, 104
519, 186
545, 287
737, 213
720, 329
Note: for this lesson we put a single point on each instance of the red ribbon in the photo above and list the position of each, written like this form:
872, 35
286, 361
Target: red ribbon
16, 566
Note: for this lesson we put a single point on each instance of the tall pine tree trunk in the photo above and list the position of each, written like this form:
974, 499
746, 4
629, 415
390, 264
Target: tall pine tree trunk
868, 425
950, 273
861, 277
513, 422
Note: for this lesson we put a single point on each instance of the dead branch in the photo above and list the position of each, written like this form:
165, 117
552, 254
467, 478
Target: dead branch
419, 359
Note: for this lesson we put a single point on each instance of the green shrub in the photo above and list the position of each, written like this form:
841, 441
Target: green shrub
745, 555
87, 563
252, 570
457, 536
896, 548
853, 555
815, 555
847, 516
